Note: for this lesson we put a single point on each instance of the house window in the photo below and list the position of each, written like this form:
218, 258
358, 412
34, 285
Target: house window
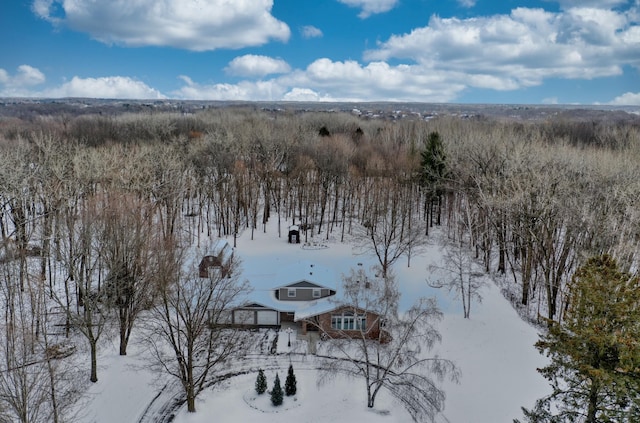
336, 322
348, 321
316, 293
361, 322
291, 292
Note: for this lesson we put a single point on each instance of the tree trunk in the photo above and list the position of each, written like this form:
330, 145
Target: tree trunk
124, 339
191, 401
94, 361
191, 394
593, 403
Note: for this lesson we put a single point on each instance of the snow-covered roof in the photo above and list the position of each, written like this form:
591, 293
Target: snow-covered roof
220, 248
302, 273
316, 307
306, 271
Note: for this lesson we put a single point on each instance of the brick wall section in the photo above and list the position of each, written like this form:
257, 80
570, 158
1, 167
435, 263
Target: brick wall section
373, 325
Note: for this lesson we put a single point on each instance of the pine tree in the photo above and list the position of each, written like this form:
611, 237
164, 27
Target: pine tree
433, 173
595, 354
276, 392
290, 385
261, 382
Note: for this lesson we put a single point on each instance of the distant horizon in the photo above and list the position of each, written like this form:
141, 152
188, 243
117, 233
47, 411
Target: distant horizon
529, 52
603, 107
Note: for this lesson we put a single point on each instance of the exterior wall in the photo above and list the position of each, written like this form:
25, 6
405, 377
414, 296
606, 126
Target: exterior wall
373, 325
286, 317
212, 264
302, 294
220, 260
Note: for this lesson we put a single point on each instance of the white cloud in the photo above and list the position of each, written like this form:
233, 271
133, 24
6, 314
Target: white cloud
310, 31
627, 99
244, 90
302, 94
104, 87
19, 84
326, 80
187, 24
253, 65
44, 9
23, 84
520, 49
435, 63
370, 7
28, 76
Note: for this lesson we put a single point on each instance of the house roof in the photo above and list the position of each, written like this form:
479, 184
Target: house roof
303, 274
316, 307
306, 274
220, 248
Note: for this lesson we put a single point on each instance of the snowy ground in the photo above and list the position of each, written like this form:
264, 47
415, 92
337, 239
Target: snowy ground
493, 350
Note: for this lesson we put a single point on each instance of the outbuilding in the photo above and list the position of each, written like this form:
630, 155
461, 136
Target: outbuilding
294, 234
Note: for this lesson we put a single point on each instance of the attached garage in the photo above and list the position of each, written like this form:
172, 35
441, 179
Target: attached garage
244, 317
267, 317
255, 315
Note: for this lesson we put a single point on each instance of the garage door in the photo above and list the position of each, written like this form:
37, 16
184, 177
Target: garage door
243, 317
267, 317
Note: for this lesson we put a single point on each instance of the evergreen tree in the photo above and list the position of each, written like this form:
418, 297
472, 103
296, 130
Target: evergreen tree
434, 160
261, 382
276, 392
290, 385
595, 353
433, 172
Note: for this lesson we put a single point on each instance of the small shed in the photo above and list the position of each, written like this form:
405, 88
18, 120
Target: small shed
219, 259
294, 234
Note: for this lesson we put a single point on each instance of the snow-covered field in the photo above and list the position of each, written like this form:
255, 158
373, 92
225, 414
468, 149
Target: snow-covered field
493, 350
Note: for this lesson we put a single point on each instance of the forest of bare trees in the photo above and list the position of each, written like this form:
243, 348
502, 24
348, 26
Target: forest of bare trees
88, 204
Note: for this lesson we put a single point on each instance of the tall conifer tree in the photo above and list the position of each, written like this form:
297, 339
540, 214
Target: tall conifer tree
595, 353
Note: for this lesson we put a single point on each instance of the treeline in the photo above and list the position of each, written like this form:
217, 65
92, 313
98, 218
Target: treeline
534, 199
93, 209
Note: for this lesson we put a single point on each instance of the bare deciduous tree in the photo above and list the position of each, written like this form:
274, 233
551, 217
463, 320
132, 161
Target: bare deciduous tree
389, 232
457, 274
87, 311
188, 334
371, 338
127, 237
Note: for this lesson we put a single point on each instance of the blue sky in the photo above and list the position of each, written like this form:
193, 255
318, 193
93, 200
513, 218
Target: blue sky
462, 51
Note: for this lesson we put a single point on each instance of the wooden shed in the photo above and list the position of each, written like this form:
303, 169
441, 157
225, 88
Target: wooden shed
219, 259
